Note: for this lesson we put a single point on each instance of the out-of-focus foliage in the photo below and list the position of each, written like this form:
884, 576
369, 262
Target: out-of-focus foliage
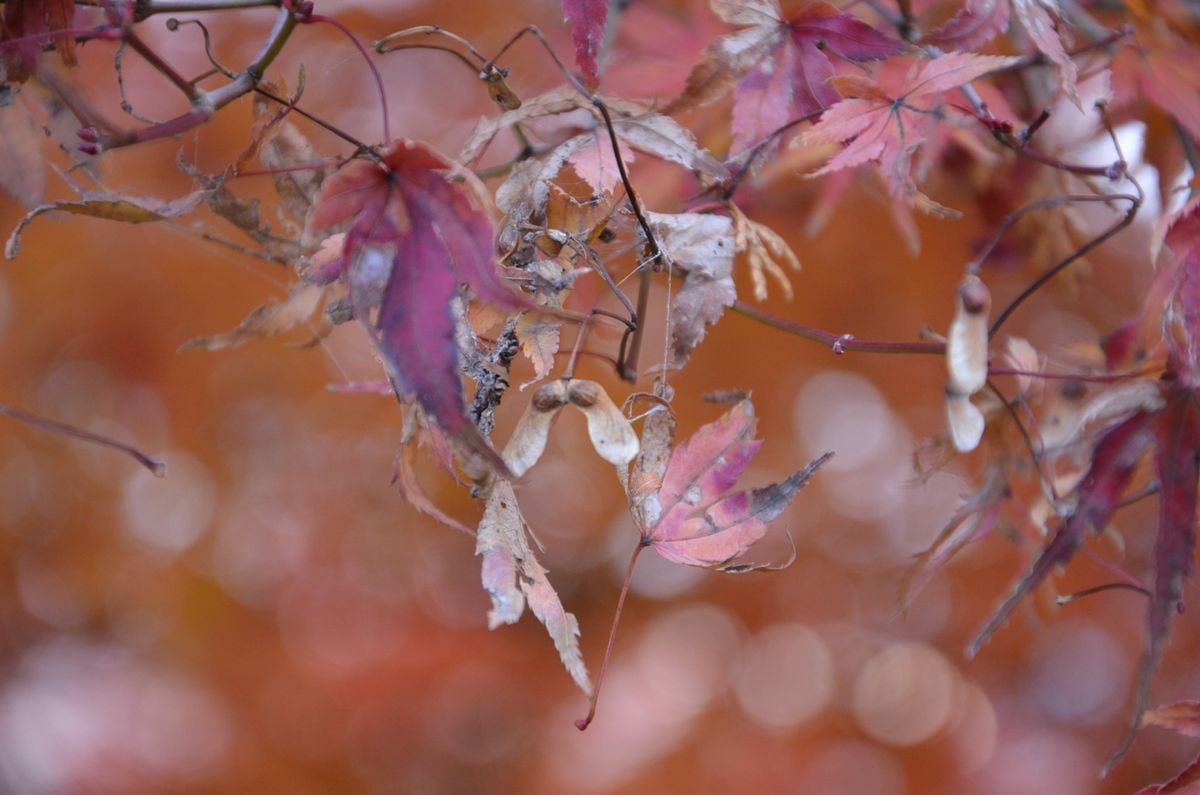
274, 616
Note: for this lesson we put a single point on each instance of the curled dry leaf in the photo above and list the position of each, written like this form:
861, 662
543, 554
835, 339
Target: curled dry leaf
663, 137
559, 100
268, 320
290, 156
513, 577
404, 475
608, 429
126, 209
634, 123
703, 245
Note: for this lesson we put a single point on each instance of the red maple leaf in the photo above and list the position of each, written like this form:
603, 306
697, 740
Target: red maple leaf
886, 124
587, 18
780, 64
414, 235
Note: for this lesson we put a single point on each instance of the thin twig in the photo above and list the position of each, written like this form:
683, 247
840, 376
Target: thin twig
838, 343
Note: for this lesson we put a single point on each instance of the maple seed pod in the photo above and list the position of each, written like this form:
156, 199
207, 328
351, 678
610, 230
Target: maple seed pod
528, 440
965, 420
967, 342
610, 432
550, 397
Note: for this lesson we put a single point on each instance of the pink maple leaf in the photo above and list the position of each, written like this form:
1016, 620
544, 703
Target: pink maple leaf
679, 500
886, 124
780, 64
980, 21
689, 520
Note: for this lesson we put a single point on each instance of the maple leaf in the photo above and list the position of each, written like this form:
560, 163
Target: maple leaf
679, 499
1109, 474
633, 122
688, 520
587, 18
1157, 69
980, 21
513, 578
887, 126
414, 235
975, 24
779, 64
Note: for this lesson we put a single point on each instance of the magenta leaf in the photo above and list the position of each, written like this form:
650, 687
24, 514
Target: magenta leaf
793, 80
1177, 443
1099, 492
414, 235
587, 18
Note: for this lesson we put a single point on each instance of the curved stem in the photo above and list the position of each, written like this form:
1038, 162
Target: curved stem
586, 721
157, 467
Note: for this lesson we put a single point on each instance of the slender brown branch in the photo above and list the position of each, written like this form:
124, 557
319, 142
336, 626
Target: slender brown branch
1095, 589
1041, 204
155, 465
838, 343
1135, 202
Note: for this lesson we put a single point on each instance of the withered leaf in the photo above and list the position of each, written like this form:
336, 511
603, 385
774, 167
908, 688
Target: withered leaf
513, 577
268, 320
126, 209
704, 245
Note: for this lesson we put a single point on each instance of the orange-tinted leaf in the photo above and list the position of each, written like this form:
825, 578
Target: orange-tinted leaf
28, 26
129, 210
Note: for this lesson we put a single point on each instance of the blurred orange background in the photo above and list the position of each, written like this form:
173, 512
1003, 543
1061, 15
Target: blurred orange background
273, 617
